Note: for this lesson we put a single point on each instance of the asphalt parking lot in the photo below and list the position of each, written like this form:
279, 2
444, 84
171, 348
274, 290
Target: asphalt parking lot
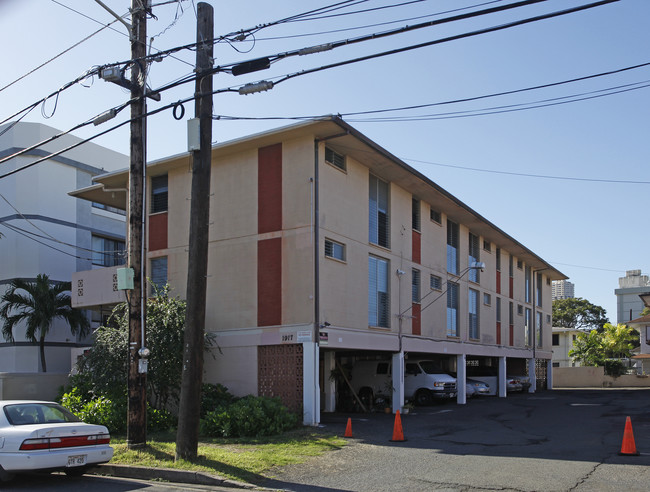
557, 440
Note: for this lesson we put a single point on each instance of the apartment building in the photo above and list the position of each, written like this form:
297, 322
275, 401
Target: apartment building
46, 231
562, 289
324, 249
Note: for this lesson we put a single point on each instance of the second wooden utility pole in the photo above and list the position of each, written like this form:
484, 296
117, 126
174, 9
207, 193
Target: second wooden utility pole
187, 437
136, 434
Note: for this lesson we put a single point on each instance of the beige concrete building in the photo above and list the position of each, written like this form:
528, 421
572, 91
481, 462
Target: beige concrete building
324, 248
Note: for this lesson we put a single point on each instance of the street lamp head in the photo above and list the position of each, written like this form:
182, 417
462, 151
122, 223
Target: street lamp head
478, 265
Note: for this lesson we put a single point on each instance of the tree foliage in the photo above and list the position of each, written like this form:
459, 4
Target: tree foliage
578, 313
595, 347
105, 367
38, 304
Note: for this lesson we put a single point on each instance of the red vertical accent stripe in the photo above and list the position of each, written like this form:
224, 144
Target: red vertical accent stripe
498, 282
269, 282
269, 251
512, 335
498, 332
269, 189
416, 325
416, 247
158, 231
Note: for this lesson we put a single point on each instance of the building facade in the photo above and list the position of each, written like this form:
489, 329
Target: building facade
46, 231
562, 343
562, 289
325, 249
628, 303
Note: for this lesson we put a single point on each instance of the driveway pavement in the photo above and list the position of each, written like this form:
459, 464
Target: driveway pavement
556, 440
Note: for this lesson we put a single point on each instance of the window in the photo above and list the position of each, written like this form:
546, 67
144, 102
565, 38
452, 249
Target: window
415, 214
159, 272
473, 314
487, 246
528, 332
335, 159
108, 252
108, 208
539, 289
435, 216
452, 247
334, 250
520, 264
538, 329
378, 217
159, 193
474, 257
548, 319
415, 286
378, 304
556, 364
528, 284
435, 282
520, 309
498, 259
452, 310
498, 310
487, 299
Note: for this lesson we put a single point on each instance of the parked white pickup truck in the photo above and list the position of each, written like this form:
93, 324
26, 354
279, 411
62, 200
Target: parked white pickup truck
424, 381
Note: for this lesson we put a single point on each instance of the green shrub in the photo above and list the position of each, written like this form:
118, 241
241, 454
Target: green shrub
250, 416
214, 396
160, 420
614, 368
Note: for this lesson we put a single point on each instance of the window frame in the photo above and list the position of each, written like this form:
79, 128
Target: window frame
336, 245
158, 191
379, 212
341, 165
379, 317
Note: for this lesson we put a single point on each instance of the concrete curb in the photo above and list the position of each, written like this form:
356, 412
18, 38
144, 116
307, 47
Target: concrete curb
167, 474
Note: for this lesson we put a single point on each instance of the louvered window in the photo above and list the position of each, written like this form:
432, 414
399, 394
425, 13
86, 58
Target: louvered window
474, 257
378, 298
334, 250
379, 229
415, 286
415, 214
452, 247
452, 309
159, 193
436, 282
435, 216
473, 314
334, 158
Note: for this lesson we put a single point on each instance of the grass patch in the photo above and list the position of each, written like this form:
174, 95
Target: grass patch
244, 459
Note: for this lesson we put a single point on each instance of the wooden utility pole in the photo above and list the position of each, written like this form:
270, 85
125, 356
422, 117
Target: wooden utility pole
187, 437
136, 434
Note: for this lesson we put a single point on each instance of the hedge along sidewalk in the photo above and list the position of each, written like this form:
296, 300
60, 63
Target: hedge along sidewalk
240, 459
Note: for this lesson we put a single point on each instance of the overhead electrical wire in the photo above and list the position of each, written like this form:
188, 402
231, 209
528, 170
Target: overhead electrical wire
304, 72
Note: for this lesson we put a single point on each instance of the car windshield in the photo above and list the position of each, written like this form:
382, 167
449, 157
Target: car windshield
430, 367
38, 413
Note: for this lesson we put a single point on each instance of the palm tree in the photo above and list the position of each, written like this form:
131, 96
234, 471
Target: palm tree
38, 304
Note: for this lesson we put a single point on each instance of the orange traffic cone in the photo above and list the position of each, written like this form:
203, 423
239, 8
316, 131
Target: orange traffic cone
348, 429
628, 447
398, 433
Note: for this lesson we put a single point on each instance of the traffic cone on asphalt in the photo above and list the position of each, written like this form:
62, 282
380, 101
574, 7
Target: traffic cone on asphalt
628, 447
348, 429
398, 433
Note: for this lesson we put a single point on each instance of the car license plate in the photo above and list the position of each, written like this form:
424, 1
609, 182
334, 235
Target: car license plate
77, 460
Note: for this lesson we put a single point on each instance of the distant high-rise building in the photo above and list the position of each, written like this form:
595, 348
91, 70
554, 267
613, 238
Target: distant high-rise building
562, 289
628, 303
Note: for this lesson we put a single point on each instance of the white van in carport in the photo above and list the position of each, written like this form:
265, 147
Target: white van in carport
424, 381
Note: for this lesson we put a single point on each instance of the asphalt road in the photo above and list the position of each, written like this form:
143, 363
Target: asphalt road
557, 440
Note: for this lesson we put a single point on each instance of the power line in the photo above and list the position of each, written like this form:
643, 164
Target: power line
565, 178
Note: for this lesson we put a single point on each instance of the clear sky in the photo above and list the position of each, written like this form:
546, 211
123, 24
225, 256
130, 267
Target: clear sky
550, 176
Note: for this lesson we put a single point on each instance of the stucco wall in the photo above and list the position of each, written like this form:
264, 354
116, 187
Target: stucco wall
594, 377
31, 386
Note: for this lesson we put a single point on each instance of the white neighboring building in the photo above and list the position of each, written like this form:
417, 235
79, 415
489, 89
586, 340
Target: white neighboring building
562, 289
44, 230
562, 342
628, 303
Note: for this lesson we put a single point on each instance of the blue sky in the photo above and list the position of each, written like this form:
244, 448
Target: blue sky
590, 226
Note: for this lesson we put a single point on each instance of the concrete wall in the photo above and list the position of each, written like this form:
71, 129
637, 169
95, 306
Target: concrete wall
31, 386
594, 377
